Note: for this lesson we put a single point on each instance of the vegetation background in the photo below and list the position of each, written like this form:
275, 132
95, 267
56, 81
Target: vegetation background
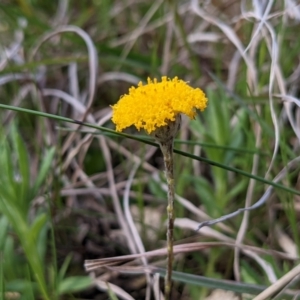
70, 193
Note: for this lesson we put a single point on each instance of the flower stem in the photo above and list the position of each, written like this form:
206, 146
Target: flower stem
167, 150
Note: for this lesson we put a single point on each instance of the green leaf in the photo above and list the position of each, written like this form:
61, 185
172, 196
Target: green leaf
46, 164
2, 287
3, 230
111, 294
42, 241
36, 227
64, 267
8, 184
21, 285
9, 262
74, 284
236, 189
206, 193
23, 182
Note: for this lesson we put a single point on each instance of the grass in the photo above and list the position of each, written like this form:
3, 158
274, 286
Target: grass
74, 191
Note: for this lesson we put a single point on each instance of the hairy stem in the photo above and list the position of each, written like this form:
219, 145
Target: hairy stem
167, 150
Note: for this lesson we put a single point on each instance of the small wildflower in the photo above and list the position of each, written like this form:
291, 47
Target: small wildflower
156, 104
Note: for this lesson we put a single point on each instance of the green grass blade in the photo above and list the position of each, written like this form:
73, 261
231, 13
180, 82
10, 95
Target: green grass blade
213, 283
210, 162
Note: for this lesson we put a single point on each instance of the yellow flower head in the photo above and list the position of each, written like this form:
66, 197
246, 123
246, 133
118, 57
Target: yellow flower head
151, 106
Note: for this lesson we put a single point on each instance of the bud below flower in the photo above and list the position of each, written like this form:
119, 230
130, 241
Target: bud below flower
167, 133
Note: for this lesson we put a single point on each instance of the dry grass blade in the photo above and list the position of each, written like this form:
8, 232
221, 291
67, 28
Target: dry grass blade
108, 76
109, 287
209, 232
135, 234
245, 222
141, 27
288, 101
92, 54
282, 174
190, 206
75, 103
92, 265
231, 35
279, 284
93, 67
